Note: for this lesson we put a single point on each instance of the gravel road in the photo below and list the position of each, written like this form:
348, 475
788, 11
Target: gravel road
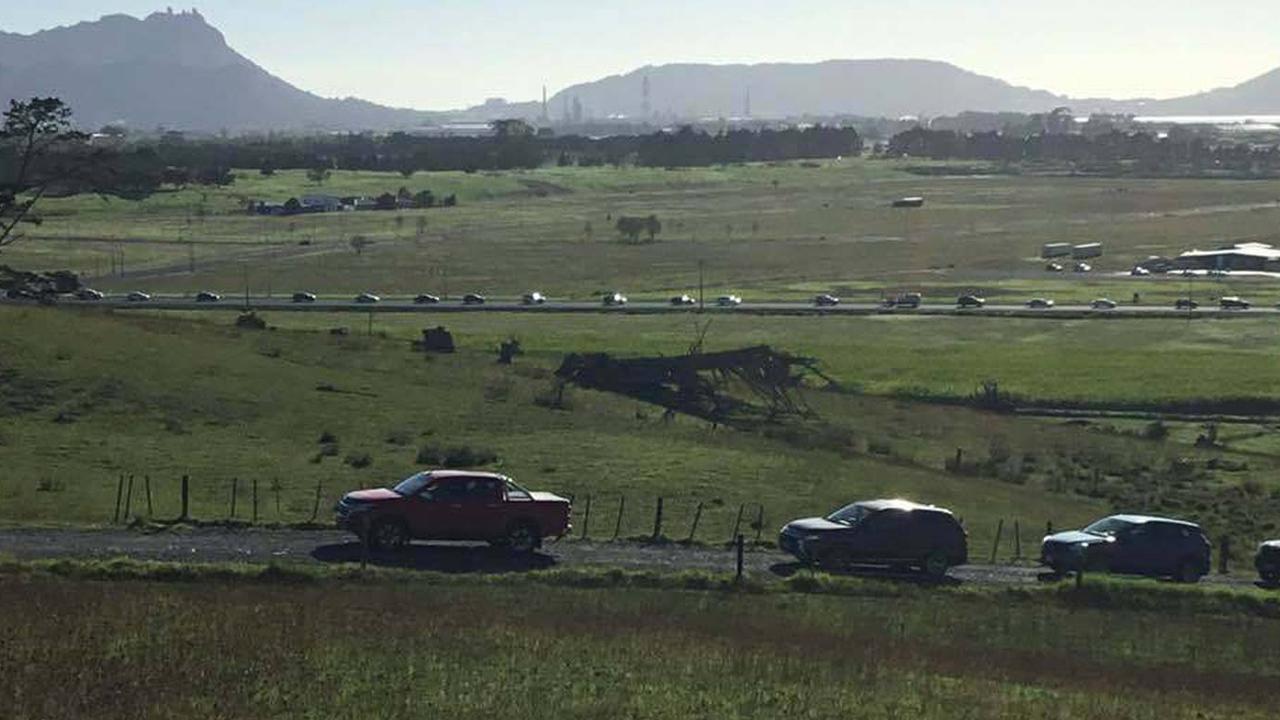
337, 547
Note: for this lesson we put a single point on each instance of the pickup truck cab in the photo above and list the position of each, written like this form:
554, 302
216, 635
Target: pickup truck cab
455, 505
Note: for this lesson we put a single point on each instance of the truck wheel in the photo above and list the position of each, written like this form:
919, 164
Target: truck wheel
1270, 575
523, 538
835, 560
1188, 572
388, 534
936, 565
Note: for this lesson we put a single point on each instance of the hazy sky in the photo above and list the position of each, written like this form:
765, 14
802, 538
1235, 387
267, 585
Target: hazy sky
438, 54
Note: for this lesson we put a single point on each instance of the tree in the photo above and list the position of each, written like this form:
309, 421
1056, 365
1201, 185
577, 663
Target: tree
319, 174
42, 153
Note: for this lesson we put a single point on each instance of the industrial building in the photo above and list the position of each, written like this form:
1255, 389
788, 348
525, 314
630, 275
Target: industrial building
1256, 257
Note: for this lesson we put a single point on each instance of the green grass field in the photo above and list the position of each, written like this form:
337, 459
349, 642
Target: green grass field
764, 231
211, 648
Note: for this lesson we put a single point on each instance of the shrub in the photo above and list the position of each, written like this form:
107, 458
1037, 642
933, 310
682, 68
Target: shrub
328, 438
1156, 431
359, 460
463, 456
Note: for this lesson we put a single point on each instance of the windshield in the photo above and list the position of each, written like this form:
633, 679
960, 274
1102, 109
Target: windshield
1109, 526
849, 515
515, 492
413, 484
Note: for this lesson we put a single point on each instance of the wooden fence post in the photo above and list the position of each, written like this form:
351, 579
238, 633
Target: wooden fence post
1017, 540
119, 496
657, 521
737, 524
1224, 556
235, 483
128, 500
255, 501
1048, 527
315, 509
186, 496
586, 519
760, 522
622, 505
739, 542
146, 481
364, 542
693, 530
996, 545
275, 487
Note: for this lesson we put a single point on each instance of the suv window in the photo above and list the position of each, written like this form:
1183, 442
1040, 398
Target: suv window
481, 490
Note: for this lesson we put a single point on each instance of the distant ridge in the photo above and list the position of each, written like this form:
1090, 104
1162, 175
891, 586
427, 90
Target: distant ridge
170, 70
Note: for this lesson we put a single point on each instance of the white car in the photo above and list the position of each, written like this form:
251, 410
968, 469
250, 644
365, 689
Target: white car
534, 298
825, 300
1139, 272
683, 301
368, 298
1104, 304
138, 296
1083, 267
614, 299
89, 295
728, 301
1040, 304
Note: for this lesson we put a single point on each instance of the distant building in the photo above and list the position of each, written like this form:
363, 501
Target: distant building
320, 203
1258, 257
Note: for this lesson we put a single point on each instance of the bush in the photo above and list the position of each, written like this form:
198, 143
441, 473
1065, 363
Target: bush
1156, 431
359, 461
464, 456
328, 438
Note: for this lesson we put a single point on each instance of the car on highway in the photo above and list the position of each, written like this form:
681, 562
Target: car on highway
905, 301
825, 300
1231, 302
534, 298
1054, 267
426, 299
683, 301
1040, 304
614, 299
1267, 561
208, 297
1185, 304
728, 301
89, 295
895, 533
1082, 267
1104, 304
368, 298
304, 297
970, 301
1139, 271
138, 296
473, 299
455, 505
1132, 545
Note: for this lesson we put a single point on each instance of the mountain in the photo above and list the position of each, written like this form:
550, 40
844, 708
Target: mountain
1259, 96
873, 88
171, 70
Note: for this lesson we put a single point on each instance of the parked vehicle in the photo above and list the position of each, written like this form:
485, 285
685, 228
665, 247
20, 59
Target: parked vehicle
534, 298
1131, 544
426, 299
208, 297
614, 299
1040, 304
367, 298
970, 301
1268, 562
1186, 304
683, 301
1054, 267
473, 299
304, 297
825, 300
138, 296
21, 294
727, 301
455, 505
1104, 304
879, 532
1139, 271
1083, 267
1232, 302
89, 295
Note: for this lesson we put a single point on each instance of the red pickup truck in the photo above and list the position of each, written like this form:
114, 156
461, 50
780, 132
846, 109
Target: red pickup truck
455, 505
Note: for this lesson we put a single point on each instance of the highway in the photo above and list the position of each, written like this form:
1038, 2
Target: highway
765, 308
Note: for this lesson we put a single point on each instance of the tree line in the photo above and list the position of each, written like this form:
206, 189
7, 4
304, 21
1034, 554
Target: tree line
1180, 152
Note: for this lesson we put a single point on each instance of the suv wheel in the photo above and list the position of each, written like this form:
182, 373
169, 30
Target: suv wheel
388, 534
1270, 575
936, 565
835, 559
1188, 572
522, 538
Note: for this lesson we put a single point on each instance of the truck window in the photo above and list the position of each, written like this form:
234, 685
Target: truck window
515, 492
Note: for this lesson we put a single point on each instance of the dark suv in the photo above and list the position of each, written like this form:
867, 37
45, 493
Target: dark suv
1131, 544
880, 532
1268, 562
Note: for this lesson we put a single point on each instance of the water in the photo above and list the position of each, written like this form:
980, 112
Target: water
1220, 120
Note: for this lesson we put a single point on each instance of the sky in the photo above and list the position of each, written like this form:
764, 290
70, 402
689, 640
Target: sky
445, 54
